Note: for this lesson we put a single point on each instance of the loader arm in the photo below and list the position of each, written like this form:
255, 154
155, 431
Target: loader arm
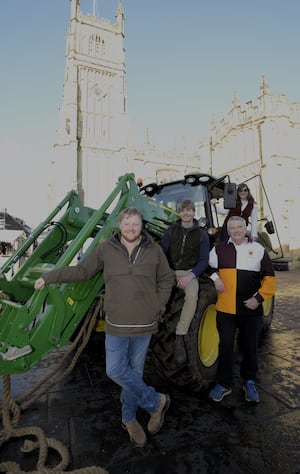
33, 323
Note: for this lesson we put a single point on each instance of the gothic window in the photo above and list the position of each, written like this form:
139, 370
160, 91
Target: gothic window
96, 45
91, 45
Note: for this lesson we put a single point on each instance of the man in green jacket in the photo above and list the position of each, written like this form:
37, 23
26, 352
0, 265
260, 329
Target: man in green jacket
138, 284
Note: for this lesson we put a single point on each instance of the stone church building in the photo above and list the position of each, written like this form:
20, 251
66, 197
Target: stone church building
258, 141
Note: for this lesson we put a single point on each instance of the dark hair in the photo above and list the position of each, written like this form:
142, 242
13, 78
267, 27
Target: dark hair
186, 204
250, 198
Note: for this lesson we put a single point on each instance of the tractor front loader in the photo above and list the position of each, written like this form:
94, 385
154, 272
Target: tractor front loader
32, 323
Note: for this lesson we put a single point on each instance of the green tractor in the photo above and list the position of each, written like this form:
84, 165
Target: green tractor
33, 323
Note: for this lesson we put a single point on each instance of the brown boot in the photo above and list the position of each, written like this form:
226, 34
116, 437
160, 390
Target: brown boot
136, 433
157, 419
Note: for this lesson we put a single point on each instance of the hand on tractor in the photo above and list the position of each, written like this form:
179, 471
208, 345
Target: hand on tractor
39, 284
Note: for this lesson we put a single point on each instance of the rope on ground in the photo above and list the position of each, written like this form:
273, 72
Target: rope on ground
11, 411
13, 468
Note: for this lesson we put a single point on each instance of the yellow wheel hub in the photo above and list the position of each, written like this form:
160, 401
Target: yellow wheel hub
208, 337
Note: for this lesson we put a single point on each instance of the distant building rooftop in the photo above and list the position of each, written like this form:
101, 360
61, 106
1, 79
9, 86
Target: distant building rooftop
9, 222
11, 227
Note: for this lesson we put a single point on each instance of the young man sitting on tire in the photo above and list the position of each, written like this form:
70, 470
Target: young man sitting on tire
187, 248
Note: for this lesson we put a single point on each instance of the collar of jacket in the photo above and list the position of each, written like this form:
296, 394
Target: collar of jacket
195, 224
247, 240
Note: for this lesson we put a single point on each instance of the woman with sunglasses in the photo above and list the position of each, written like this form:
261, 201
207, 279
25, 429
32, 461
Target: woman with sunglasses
245, 207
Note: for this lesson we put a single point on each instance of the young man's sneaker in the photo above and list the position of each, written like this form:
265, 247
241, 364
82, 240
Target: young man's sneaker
251, 394
219, 392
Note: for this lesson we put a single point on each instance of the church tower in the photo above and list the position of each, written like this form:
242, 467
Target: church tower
91, 143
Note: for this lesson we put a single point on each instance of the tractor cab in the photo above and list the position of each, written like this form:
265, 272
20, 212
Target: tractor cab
205, 191
199, 188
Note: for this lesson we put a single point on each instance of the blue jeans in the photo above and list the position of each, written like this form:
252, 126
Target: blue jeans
125, 360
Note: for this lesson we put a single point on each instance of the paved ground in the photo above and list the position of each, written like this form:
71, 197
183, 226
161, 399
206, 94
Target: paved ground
199, 437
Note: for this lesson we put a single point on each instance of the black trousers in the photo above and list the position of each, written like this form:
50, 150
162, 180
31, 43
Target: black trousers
249, 330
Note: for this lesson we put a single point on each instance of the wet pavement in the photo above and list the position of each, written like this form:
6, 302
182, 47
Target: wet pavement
198, 437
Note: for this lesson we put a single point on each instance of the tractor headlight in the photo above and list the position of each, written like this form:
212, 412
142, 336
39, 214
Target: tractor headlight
190, 179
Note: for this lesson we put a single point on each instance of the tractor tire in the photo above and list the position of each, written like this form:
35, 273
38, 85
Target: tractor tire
268, 306
201, 342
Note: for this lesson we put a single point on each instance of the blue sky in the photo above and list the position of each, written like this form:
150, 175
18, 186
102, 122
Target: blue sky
184, 59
